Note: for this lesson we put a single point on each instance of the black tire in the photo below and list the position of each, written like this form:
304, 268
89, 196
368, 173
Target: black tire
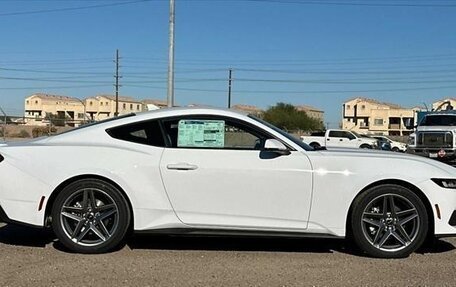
315, 145
395, 149
365, 146
90, 216
371, 221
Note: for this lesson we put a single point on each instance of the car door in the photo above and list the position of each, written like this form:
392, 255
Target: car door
216, 174
339, 139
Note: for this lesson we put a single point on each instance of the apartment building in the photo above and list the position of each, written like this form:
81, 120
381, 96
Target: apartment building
104, 106
369, 116
248, 109
312, 112
40, 105
152, 104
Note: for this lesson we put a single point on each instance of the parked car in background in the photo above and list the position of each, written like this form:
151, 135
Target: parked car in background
382, 144
435, 136
340, 138
395, 145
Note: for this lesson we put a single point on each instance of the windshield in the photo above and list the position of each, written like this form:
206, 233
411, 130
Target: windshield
439, 120
358, 135
285, 134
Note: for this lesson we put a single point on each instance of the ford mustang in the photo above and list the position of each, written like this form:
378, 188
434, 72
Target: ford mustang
218, 172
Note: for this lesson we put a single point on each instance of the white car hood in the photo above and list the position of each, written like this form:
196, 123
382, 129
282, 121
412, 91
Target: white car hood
387, 155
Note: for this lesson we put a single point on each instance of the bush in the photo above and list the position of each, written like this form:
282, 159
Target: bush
23, 134
287, 117
42, 131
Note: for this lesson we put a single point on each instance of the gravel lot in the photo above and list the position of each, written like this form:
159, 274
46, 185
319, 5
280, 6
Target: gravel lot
30, 257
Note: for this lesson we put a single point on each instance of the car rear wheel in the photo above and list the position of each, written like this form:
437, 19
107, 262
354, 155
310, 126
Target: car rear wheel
395, 149
389, 221
90, 216
366, 146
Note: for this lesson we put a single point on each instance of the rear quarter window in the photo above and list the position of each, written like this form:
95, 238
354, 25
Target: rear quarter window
147, 133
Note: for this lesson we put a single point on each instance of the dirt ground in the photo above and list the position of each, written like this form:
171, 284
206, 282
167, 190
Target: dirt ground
30, 257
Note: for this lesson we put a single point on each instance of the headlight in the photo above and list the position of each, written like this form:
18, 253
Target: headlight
445, 183
411, 140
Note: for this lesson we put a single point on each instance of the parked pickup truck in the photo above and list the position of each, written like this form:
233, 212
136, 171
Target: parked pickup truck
340, 138
435, 136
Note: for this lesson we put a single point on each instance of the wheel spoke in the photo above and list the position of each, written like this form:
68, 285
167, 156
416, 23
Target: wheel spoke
372, 222
72, 216
385, 206
104, 229
82, 234
403, 234
392, 206
105, 207
398, 238
406, 212
407, 219
377, 236
92, 200
384, 238
85, 200
72, 209
97, 232
78, 228
106, 214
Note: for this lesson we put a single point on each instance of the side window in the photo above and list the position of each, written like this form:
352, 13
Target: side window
212, 133
148, 133
348, 135
335, 134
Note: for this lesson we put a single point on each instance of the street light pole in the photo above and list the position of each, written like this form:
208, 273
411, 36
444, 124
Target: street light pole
170, 97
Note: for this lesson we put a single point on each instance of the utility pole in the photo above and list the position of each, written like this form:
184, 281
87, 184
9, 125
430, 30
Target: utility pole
117, 83
229, 87
170, 97
4, 123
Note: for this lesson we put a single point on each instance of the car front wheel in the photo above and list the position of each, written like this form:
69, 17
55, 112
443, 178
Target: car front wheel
90, 216
389, 221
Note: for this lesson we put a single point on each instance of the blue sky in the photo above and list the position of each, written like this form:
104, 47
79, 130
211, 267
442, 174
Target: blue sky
318, 55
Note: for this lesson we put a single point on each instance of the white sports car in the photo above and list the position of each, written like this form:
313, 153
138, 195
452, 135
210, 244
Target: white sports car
213, 171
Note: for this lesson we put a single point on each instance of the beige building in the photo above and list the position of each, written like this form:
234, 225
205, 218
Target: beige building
104, 106
443, 104
312, 112
248, 109
40, 106
152, 104
369, 116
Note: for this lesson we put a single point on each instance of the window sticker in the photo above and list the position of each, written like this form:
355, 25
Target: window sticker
201, 133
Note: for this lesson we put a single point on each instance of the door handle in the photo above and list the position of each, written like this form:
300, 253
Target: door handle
181, 166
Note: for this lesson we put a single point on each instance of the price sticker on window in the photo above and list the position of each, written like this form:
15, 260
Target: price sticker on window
201, 133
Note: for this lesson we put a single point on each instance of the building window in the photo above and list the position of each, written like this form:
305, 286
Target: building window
101, 103
348, 107
80, 116
107, 103
378, 122
131, 106
137, 107
363, 107
27, 102
124, 106
90, 103
36, 102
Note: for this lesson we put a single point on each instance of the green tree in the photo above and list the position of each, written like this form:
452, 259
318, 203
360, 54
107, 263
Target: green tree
287, 117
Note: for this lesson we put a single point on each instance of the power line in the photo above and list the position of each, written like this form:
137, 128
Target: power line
70, 8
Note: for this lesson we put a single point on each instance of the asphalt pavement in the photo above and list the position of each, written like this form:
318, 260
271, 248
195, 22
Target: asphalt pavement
30, 257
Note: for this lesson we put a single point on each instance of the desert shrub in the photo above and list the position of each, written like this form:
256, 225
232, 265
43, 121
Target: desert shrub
23, 134
42, 131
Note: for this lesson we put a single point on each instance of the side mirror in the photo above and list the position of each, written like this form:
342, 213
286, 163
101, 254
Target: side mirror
275, 146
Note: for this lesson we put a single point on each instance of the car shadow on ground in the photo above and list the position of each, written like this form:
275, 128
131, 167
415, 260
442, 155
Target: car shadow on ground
25, 236
33, 237
297, 245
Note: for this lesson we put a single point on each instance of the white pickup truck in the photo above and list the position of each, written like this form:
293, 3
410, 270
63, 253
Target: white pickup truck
340, 138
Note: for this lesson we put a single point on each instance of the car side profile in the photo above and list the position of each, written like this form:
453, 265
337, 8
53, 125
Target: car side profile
214, 171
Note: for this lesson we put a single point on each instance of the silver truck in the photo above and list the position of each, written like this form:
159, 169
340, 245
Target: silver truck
435, 136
